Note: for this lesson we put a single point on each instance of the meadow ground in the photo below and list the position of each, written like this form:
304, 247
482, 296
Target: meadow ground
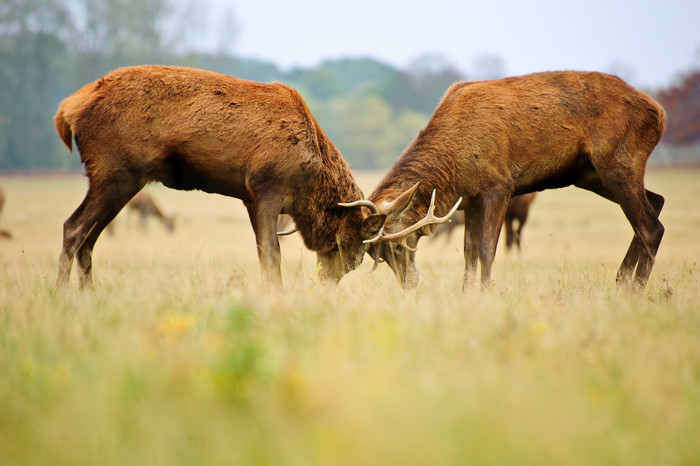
179, 355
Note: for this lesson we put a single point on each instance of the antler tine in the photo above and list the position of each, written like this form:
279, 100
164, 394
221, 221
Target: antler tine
361, 203
403, 244
446, 218
429, 219
377, 258
287, 232
375, 237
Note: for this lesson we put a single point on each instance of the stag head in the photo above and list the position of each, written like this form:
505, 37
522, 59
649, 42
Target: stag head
350, 248
392, 234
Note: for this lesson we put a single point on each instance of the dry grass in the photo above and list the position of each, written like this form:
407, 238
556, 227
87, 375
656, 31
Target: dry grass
178, 356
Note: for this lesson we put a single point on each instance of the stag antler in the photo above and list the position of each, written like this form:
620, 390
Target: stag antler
361, 203
429, 219
287, 232
377, 257
370, 205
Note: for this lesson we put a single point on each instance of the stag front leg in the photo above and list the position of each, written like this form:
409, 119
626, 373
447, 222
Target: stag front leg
472, 238
263, 213
510, 233
493, 213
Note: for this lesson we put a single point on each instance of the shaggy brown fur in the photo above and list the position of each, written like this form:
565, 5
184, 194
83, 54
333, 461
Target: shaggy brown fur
195, 129
490, 140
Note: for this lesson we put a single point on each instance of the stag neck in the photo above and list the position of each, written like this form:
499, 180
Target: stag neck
428, 160
317, 214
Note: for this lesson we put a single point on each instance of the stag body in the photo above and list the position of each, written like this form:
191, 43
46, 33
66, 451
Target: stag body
490, 140
195, 129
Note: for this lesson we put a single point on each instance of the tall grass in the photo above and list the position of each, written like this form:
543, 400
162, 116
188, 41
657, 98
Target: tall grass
179, 355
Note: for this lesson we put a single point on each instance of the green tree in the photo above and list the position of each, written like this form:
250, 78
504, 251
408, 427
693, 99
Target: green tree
32, 54
422, 86
368, 132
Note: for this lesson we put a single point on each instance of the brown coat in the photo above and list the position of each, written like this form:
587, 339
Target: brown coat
490, 140
195, 129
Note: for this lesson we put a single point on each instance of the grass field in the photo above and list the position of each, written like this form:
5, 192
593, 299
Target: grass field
179, 355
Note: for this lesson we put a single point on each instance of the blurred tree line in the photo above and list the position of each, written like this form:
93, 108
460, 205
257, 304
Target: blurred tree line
50, 48
682, 103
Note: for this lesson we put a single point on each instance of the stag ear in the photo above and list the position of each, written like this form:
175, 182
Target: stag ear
403, 202
372, 226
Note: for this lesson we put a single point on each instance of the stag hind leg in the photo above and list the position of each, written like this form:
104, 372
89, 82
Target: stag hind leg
636, 256
80, 231
519, 232
511, 233
642, 208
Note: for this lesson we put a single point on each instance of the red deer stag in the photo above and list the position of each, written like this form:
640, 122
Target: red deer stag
195, 129
490, 140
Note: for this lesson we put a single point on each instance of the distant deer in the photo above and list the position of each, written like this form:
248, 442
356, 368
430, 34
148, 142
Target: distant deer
144, 205
490, 140
518, 209
196, 129
3, 233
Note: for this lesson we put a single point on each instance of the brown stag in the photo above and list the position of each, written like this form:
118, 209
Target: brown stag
195, 129
490, 140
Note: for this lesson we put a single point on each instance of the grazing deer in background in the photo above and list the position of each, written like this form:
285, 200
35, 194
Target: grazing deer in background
518, 209
144, 205
196, 129
490, 140
3, 233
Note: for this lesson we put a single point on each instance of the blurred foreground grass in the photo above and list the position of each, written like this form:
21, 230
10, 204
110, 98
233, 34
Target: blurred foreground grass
179, 356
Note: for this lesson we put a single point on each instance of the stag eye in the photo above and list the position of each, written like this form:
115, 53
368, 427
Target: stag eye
394, 249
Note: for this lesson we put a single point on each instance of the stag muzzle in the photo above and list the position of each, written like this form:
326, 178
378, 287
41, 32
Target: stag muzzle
398, 249
402, 262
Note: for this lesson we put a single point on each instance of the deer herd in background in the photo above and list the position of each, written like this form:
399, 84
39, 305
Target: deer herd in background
489, 145
4, 234
143, 205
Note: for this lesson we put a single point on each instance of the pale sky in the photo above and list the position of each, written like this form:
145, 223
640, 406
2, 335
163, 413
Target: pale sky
649, 41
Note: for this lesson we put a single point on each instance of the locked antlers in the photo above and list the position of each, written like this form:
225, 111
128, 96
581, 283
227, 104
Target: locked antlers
400, 236
429, 219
